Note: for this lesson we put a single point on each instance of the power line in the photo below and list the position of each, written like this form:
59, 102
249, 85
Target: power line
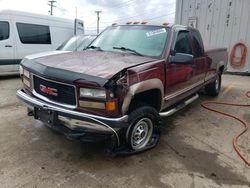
149, 18
139, 14
145, 12
124, 4
51, 4
60, 7
160, 16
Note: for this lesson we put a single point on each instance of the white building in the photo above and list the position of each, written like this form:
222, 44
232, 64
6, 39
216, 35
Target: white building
222, 23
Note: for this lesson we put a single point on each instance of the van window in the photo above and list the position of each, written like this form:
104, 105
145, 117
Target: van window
4, 30
33, 34
183, 44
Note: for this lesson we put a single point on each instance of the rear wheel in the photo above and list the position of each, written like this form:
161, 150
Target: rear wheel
143, 132
213, 89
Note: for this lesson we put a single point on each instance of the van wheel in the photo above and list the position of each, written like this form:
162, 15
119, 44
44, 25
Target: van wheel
143, 132
213, 89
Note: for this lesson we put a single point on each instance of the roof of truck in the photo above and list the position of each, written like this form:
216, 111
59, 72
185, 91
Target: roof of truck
144, 23
164, 24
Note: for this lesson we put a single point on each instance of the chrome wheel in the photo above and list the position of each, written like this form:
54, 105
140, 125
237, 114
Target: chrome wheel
141, 133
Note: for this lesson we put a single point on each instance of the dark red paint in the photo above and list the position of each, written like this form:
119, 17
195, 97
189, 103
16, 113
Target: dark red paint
174, 77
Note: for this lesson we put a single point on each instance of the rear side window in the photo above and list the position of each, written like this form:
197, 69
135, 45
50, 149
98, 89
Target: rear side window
182, 44
4, 30
33, 34
197, 44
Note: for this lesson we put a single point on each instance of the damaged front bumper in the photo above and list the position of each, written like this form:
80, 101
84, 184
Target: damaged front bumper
74, 124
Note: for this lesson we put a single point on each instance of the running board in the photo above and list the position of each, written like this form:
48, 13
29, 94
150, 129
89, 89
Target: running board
180, 106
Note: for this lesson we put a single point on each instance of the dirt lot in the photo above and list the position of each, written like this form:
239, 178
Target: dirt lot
195, 149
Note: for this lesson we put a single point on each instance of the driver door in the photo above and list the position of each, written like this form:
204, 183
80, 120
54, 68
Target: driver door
179, 77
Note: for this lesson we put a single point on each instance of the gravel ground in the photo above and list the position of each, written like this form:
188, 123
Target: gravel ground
195, 149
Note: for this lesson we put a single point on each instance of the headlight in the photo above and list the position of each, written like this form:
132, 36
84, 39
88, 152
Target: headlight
21, 70
93, 93
26, 76
26, 73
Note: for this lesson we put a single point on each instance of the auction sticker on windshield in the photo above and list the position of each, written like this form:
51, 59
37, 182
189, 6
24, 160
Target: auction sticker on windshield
156, 32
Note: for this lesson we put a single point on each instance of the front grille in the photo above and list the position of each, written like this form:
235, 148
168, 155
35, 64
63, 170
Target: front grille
65, 94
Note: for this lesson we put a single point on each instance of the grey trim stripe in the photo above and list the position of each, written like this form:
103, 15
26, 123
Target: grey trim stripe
210, 77
179, 92
10, 61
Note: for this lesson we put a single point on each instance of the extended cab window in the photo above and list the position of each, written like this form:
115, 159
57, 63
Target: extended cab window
4, 30
182, 44
197, 44
33, 34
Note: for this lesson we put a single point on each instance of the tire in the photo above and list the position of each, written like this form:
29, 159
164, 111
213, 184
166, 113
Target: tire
213, 89
143, 132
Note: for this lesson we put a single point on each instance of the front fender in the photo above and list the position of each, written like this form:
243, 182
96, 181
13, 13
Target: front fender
140, 87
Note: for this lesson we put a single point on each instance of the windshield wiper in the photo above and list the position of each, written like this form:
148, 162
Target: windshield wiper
95, 47
127, 49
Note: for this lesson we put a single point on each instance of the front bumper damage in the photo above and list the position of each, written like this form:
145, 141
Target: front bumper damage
74, 124
82, 126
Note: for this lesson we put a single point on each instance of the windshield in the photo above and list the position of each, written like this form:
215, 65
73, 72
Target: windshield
76, 43
141, 40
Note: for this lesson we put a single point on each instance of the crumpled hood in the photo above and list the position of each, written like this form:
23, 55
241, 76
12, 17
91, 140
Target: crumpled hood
92, 62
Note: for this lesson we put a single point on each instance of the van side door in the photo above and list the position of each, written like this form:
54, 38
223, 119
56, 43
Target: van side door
179, 76
7, 46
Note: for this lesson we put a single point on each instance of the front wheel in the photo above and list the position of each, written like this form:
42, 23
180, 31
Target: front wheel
143, 132
213, 89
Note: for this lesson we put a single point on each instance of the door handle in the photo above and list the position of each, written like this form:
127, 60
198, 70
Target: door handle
8, 46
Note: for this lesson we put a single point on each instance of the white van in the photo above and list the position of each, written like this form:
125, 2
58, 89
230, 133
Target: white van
23, 33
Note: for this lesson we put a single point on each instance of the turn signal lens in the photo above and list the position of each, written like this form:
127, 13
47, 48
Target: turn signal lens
90, 104
110, 105
26, 82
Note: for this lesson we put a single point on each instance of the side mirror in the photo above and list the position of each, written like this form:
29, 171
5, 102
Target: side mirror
181, 58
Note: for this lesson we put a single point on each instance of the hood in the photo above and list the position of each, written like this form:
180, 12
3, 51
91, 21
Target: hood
42, 54
92, 62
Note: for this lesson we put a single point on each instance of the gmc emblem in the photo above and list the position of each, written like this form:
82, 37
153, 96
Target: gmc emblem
48, 90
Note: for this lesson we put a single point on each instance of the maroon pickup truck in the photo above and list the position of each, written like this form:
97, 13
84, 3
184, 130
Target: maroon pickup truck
118, 89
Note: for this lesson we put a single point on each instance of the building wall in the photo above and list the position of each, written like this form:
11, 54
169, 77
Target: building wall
222, 23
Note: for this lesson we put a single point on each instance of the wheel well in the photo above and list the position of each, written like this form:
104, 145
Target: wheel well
151, 97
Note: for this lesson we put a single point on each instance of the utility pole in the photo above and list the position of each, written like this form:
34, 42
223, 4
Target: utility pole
98, 19
51, 4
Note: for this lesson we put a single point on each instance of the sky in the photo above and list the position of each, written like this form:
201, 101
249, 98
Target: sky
113, 11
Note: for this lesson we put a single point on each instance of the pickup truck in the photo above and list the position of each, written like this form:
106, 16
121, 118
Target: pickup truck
118, 89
